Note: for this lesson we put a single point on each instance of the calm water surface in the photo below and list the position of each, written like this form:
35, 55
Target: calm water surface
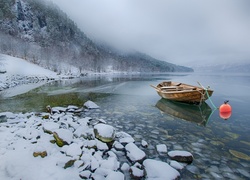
221, 148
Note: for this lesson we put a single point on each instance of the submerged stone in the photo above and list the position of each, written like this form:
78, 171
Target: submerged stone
239, 155
232, 135
245, 142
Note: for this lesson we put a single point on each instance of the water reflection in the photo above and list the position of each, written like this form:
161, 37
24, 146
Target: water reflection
198, 114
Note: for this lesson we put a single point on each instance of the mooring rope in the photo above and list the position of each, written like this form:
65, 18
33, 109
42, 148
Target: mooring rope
203, 94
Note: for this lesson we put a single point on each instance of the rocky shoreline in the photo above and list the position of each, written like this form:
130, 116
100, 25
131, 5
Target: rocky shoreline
68, 144
16, 80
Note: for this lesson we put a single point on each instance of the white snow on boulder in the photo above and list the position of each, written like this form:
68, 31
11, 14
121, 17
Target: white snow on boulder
91, 105
134, 153
115, 175
159, 170
65, 135
104, 132
50, 126
176, 165
101, 145
161, 148
181, 156
125, 167
118, 146
124, 137
179, 153
74, 150
110, 163
58, 109
144, 143
136, 171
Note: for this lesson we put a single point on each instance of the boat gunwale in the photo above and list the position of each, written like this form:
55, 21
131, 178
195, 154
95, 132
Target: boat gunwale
182, 91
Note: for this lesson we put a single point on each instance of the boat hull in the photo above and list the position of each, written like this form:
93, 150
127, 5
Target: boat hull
183, 92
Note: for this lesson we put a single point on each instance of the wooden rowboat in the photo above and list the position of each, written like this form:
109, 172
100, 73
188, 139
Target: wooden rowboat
181, 92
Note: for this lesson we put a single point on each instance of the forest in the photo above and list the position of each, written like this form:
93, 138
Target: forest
40, 32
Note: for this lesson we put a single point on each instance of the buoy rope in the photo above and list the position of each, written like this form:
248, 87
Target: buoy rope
210, 100
203, 94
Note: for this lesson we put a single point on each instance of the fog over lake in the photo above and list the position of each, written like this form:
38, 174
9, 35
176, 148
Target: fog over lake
182, 32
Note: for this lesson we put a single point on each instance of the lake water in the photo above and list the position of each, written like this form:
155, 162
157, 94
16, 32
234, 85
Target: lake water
221, 148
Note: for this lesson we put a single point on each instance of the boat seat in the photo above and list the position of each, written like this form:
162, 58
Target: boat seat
169, 88
188, 89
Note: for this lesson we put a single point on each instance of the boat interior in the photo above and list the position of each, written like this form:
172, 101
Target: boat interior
170, 86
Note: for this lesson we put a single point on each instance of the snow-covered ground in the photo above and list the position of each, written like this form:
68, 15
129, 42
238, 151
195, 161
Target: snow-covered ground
67, 144
19, 76
17, 66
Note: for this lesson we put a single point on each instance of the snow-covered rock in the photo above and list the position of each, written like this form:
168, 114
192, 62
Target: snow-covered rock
85, 174
74, 150
125, 167
144, 143
124, 138
176, 165
91, 105
50, 127
65, 135
101, 145
115, 175
104, 132
136, 171
181, 156
159, 170
110, 163
118, 146
161, 148
134, 153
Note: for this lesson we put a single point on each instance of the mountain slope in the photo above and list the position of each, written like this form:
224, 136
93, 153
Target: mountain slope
40, 32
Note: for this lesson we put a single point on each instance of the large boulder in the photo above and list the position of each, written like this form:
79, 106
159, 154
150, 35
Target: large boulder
104, 132
159, 170
91, 105
134, 153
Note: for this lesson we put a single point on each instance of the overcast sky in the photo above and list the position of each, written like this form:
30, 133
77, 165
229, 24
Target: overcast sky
177, 31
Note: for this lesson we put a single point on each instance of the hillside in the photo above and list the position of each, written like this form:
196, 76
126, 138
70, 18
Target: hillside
40, 32
18, 76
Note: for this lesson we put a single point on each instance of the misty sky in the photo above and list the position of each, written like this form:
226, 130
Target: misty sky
178, 31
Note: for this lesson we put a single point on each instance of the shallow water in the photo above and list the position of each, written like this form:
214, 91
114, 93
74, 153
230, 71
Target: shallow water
220, 147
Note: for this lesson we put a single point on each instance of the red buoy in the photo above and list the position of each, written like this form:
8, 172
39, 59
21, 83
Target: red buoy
225, 110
